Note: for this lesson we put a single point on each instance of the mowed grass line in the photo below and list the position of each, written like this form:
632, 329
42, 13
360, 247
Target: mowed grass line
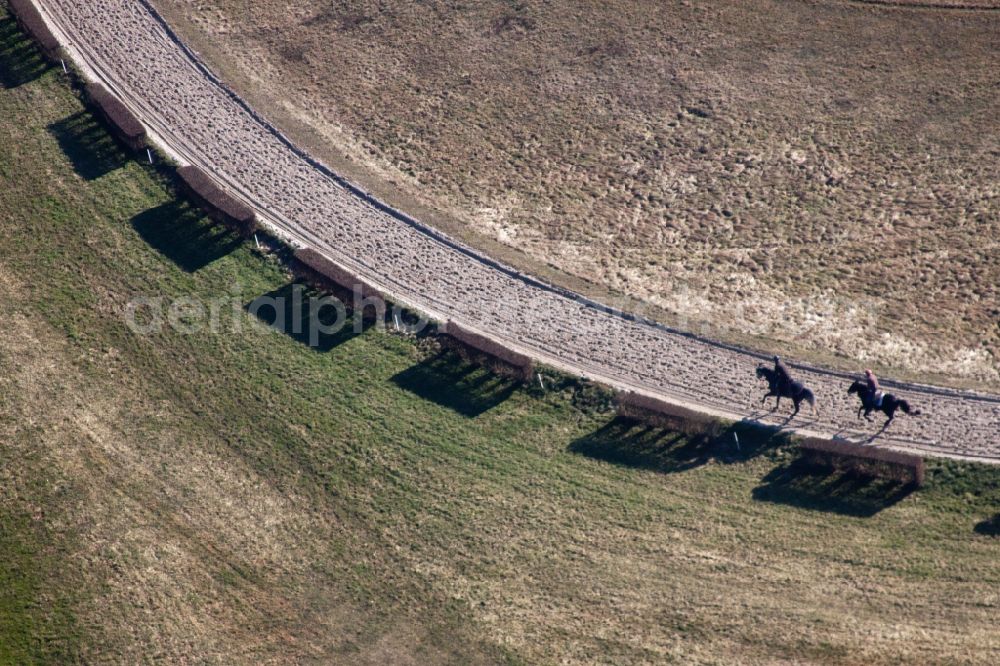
238, 496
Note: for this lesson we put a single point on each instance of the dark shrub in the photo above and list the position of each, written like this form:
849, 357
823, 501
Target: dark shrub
31, 22
323, 269
123, 124
661, 413
217, 203
507, 360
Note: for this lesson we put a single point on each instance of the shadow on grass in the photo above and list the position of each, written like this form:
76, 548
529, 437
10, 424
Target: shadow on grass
452, 382
184, 235
20, 61
846, 493
312, 318
631, 443
989, 527
88, 145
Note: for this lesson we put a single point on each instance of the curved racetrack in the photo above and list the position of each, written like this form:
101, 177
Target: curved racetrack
127, 46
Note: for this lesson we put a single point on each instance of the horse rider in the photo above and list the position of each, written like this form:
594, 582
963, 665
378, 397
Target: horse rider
782, 376
874, 390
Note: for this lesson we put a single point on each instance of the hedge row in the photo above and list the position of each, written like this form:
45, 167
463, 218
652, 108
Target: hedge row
32, 23
506, 360
327, 275
865, 460
122, 122
657, 412
354, 292
219, 204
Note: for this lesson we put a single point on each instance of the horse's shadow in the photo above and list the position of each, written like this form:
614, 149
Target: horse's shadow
881, 431
632, 443
756, 418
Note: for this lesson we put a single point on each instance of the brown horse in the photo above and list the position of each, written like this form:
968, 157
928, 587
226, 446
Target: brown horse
795, 390
890, 403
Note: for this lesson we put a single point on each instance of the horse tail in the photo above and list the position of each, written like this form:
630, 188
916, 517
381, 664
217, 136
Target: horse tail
905, 406
812, 400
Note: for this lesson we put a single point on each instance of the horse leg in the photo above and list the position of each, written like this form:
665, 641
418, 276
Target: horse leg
797, 402
891, 413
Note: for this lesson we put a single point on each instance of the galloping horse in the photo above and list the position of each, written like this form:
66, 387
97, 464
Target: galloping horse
890, 403
795, 390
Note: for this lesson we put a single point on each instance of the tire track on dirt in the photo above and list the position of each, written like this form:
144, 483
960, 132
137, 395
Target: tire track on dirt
128, 47
982, 6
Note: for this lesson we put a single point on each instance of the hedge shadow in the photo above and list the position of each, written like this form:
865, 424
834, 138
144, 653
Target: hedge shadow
450, 381
185, 236
847, 493
290, 310
92, 151
989, 527
20, 60
629, 442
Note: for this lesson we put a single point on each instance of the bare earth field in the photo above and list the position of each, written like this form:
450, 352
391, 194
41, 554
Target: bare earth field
822, 174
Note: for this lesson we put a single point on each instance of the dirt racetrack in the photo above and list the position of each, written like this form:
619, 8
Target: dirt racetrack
127, 46
816, 176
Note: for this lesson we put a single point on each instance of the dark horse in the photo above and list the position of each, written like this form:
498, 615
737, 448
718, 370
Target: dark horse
796, 391
890, 403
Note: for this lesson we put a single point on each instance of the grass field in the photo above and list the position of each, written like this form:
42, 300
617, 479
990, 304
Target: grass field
818, 177
239, 497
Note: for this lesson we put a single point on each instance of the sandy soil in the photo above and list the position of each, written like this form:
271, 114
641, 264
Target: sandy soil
125, 43
817, 175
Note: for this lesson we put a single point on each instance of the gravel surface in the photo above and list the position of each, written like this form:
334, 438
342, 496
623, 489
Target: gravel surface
126, 45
